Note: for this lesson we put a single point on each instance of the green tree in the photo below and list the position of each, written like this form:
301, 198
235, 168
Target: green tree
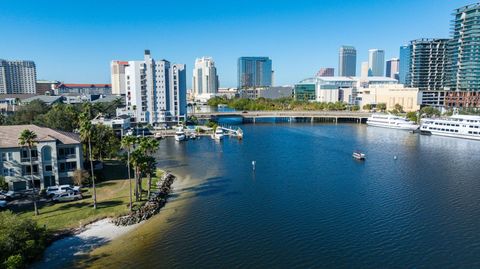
28, 113
27, 139
61, 116
148, 146
382, 106
21, 240
86, 132
3, 184
429, 111
412, 116
104, 142
367, 107
128, 142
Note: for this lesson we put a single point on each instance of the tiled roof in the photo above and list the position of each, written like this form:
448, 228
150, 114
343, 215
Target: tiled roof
48, 99
9, 135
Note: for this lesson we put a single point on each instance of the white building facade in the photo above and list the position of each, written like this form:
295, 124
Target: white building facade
205, 79
155, 90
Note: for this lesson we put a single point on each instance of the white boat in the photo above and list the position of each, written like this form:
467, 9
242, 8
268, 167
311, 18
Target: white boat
180, 134
218, 135
358, 155
460, 126
391, 121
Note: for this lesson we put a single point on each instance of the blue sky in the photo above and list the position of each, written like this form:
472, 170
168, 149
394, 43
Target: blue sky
74, 41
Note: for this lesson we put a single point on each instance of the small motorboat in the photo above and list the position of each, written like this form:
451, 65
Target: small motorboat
357, 155
218, 135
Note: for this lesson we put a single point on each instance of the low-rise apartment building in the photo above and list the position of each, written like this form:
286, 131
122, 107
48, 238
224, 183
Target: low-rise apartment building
55, 157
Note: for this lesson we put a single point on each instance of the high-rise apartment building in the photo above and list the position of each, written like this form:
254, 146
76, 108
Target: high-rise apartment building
347, 61
254, 72
429, 64
117, 71
404, 65
18, 77
326, 72
376, 62
156, 91
465, 49
392, 67
205, 79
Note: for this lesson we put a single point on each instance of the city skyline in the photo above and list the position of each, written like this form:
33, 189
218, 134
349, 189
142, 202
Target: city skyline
32, 35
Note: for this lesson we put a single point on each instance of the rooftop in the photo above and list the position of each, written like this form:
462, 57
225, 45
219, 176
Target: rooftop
9, 135
72, 85
47, 99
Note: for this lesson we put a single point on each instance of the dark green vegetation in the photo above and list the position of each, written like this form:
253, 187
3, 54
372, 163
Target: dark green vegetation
63, 117
21, 240
278, 104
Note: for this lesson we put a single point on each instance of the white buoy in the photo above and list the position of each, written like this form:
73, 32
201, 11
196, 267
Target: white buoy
395, 157
253, 165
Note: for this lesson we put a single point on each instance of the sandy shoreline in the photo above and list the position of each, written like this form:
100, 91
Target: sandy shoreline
68, 249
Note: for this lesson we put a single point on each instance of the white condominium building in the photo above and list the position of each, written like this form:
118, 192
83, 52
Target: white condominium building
205, 79
155, 90
18, 77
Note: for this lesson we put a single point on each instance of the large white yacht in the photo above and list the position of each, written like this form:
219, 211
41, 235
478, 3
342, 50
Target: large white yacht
180, 134
461, 126
391, 121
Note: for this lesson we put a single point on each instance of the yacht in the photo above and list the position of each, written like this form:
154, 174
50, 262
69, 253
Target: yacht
218, 134
357, 155
461, 126
391, 121
180, 134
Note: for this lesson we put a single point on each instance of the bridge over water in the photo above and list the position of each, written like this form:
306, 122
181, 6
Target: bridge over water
329, 116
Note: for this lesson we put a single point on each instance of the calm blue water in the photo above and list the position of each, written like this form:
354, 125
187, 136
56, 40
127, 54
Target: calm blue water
309, 204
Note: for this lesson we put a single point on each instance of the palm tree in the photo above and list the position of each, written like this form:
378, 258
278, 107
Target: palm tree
27, 138
137, 158
149, 146
127, 143
86, 132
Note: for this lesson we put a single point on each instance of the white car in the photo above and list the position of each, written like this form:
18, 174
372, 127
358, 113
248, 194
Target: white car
3, 203
53, 190
67, 197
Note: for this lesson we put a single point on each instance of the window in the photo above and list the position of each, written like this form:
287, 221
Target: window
27, 171
48, 168
47, 153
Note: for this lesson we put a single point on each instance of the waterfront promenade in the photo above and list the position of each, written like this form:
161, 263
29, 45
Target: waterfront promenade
334, 116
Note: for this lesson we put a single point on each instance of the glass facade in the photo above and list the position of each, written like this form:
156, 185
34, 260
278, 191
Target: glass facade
347, 61
466, 49
304, 92
254, 72
404, 64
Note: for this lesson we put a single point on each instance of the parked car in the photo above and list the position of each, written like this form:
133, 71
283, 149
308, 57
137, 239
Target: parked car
10, 195
3, 203
53, 190
67, 196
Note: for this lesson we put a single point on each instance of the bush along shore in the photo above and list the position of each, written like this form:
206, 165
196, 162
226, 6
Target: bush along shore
152, 207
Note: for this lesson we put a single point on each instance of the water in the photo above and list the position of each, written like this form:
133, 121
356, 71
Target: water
309, 204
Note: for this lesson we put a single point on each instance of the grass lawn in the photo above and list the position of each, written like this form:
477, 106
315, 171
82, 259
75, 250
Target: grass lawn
112, 200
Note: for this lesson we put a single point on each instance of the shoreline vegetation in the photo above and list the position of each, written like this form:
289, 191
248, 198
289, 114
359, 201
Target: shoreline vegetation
72, 221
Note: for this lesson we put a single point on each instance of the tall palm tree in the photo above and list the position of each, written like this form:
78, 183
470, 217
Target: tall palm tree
137, 158
128, 143
27, 139
149, 146
86, 132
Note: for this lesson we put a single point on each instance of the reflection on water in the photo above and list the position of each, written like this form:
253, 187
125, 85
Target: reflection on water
308, 204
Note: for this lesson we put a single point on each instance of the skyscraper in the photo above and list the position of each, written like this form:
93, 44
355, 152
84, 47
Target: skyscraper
117, 72
156, 91
392, 66
347, 61
465, 53
326, 72
205, 79
18, 77
254, 72
404, 65
376, 62
429, 64
364, 71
